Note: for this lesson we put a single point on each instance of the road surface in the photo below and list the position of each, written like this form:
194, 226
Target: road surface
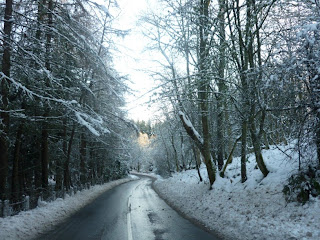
131, 211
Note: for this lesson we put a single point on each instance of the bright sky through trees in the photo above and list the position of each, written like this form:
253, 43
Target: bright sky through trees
133, 61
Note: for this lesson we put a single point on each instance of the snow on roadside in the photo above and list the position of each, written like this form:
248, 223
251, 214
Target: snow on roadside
255, 209
29, 224
149, 174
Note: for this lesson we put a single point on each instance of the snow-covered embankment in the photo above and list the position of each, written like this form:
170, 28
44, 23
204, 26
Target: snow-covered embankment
255, 209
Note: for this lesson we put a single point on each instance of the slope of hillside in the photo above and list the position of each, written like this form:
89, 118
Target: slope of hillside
255, 209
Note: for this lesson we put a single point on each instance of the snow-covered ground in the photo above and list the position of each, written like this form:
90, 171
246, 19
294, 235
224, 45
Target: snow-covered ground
255, 209
149, 174
29, 224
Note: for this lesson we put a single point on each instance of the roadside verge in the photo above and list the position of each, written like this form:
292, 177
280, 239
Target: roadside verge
32, 223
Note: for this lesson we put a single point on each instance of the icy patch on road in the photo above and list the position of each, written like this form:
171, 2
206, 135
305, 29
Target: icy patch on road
253, 210
29, 224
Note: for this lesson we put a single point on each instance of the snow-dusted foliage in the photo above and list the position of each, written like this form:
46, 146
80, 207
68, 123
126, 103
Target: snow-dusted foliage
297, 68
64, 100
172, 149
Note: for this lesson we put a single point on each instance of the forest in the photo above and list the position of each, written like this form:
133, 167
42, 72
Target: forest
233, 78
62, 123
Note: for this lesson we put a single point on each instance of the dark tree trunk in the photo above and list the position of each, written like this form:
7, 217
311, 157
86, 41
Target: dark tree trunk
244, 152
45, 125
59, 165
256, 141
67, 177
197, 159
229, 159
200, 144
4, 127
221, 86
93, 163
220, 135
318, 136
203, 89
182, 152
15, 188
44, 155
58, 176
175, 154
25, 174
83, 155
258, 154
37, 168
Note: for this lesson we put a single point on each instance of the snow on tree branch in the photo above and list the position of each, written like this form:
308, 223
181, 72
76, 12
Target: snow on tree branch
91, 123
193, 133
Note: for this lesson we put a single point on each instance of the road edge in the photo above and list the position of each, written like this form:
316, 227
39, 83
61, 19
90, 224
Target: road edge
45, 231
195, 221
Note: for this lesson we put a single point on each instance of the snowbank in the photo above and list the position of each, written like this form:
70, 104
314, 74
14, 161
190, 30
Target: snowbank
150, 174
29, 224
255, 209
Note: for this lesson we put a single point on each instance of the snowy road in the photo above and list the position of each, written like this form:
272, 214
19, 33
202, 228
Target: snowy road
130, 211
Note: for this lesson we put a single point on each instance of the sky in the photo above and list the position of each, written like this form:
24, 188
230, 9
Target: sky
133, 61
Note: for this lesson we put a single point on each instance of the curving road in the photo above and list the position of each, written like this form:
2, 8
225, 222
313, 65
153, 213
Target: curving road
131, 211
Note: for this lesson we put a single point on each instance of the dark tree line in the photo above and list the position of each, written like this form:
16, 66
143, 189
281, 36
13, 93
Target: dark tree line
61, 125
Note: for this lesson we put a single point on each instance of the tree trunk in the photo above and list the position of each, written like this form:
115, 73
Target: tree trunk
229, 134
229, 159
44, 155
37, 168
256, 141
206, 151
83, 156
244, 151
266, 141
220, 131
221, 86
200, 144
257, 151
45, 125
4, 127
203, 88
25, 177
59, 165
318, 136
15, 188
197, 159
93, 163
175, 154
67, 177
182, 152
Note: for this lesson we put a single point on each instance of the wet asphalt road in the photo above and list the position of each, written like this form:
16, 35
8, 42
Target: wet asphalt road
131, 211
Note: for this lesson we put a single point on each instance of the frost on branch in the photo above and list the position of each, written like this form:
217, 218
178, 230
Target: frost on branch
92, 124
193, 133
